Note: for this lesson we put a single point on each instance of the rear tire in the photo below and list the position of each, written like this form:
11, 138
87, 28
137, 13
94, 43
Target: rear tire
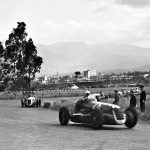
131, 117
64, 115
97, 119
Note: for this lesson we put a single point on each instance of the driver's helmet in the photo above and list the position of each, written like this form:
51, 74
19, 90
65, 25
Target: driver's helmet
87, 93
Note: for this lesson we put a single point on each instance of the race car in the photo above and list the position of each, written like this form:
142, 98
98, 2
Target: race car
97, 114
31, 101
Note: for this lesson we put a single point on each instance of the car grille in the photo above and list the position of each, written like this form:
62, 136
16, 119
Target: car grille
119, 114
29, 102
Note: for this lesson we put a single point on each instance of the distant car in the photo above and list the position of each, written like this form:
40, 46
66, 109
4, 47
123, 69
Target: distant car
98, 114
31, 101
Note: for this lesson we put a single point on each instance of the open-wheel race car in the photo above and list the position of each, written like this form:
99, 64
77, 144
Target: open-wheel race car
31, 101
96, 114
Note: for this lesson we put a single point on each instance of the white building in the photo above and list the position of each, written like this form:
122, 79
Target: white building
90, 73
45, 80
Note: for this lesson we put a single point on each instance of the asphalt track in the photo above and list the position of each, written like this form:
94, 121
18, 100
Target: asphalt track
39, 129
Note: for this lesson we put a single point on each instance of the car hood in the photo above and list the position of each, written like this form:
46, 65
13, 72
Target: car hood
102, 104
31, 98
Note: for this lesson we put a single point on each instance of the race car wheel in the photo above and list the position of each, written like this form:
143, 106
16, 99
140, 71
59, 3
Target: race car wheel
64, 115
39, 102
131, 117
22, 103
97, 119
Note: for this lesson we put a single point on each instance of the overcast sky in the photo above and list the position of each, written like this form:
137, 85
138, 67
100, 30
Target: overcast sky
92, 21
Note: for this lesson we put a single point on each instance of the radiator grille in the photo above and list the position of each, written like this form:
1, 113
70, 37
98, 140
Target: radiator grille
119, 114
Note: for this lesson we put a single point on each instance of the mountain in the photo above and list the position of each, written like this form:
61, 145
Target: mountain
80, 56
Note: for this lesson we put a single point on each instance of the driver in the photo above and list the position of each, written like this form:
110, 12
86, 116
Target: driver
86, 95
84, 102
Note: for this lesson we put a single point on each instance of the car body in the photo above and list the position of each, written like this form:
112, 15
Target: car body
98, 114
31, 101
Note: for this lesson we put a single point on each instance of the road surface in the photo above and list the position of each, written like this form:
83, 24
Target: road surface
39, 129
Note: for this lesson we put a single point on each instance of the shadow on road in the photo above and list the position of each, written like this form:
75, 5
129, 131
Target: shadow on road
86, 127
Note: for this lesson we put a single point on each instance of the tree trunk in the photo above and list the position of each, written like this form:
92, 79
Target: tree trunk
29, 80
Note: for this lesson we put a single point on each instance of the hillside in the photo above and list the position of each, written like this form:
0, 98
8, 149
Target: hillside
72, 56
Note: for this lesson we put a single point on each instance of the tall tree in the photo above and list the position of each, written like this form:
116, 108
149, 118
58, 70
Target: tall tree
32, 61
20, 56
13, 53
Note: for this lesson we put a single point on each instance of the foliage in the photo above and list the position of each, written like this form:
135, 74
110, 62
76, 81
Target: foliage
1, 56
20, 60
77, 73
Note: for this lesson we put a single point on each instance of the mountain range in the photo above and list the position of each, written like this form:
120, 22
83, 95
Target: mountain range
104, 57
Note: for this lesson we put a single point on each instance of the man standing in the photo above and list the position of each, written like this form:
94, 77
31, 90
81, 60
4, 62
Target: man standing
132, 100
142, 98
116, 102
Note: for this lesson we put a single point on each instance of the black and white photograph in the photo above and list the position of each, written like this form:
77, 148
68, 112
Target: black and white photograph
75, 75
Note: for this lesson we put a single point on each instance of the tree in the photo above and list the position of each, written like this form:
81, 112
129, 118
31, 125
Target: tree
1, 49
1, 59
32, 61
20, 57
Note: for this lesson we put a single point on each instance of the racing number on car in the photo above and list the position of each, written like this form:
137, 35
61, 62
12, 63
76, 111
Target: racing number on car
98, 106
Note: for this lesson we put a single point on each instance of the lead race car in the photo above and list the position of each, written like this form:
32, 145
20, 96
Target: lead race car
96, 114
31, 101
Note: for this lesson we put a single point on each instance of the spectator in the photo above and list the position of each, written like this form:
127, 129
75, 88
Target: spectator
142, 98
116, 102
132, 99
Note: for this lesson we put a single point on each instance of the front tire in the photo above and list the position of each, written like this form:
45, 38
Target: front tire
131, 117
97, 119
39, 102
64, 115
22, 103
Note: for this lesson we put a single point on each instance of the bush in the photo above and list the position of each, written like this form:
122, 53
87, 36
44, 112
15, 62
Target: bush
46, 104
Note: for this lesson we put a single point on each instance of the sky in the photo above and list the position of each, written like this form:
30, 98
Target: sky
91, 21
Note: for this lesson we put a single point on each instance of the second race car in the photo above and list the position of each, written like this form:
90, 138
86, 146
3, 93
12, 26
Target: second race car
31, 101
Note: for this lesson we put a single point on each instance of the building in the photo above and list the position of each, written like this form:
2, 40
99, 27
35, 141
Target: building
89, 73
45, 80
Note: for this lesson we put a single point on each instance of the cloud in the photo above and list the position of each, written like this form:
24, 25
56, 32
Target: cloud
134, 3
113, 21
122, 21
101, 5
131, 31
